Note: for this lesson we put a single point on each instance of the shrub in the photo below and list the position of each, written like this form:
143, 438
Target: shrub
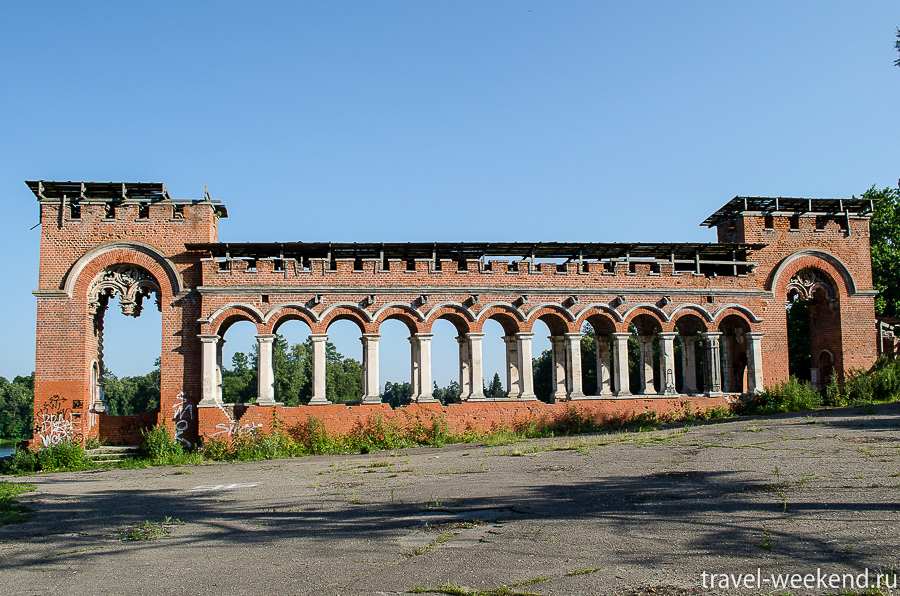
792, 395
159, 446
60, 457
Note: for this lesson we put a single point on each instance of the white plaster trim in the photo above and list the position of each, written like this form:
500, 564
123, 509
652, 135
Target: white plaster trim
274, 311
694, 307
413, 312
175, 280
238, 305
849, 282
506, 307
364, 315
558, 308
651, 307
463, 310
753, 318
605, 308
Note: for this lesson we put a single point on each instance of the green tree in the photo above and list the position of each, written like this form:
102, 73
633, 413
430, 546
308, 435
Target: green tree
495, 389
396, 394
16, 407
885, 248
447, 395
132, 395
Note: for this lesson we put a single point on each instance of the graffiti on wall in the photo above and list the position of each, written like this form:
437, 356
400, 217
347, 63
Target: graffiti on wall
184, 414
236, 428
55, 423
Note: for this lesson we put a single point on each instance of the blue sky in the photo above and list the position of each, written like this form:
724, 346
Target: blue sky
437, 121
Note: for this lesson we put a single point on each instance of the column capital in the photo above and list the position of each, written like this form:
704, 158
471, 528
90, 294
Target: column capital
625, 335
423, 336
371, 336
475, 335
265, 337
524, 335
509, 338
711, 334
668, 334
209, 338
577, 336
317, 337
754, 334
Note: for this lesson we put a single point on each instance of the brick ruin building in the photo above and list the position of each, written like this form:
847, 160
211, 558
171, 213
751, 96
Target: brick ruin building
723, 302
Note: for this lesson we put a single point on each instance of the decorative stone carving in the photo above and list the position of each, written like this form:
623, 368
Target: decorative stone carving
130, 282
807, 282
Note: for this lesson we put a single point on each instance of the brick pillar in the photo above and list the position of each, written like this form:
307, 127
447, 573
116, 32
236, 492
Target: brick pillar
370, 368
667, 362
318, 380
713, 368
754, 362
573, 365
266, 372
424, 352
646, 368
465, 369
209, 348
558, 367
526, 366
622, 381
603, 370
513, 388
689, 364
476, 366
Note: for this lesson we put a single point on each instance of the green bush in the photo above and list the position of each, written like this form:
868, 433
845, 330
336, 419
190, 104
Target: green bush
159, 446
792, 395
60, 457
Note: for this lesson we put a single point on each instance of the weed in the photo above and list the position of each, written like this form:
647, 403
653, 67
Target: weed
529, 582
583, 572
148, 530
461, 591
766, 540
11, 511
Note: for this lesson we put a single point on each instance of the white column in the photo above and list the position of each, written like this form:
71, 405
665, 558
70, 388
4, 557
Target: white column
425, 383
713, 366
754, 362
558, 367
318, 380
265, 371
476, 367
526, 366
623, 383
646, 368
208, 345
512, 366
689, 363
220, 350
414, 366
465, 369
573, 365
603, 371
667, 362
370, 368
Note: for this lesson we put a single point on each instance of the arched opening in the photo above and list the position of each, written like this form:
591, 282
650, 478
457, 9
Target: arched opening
597, 352
343, 361
397, 369
644, 356
494, 346
446, 369
292, 362
733, 346
125, 369
550, 368
237, 359
690, 355
813, 326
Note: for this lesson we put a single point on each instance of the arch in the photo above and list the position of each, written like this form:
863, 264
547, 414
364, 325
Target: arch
459, 315
652, 309
340, 312
558, 320
696, 308
283, 313
508, 316
597, 308
161, 268
404, 313
744, 312
834, 262
225, 316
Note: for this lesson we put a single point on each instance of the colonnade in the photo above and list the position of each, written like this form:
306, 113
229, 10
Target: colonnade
613, 374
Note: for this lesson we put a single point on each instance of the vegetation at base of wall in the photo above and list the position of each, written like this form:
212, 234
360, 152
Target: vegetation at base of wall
880, 385
16, 407
64, 456
792, 395
11, 511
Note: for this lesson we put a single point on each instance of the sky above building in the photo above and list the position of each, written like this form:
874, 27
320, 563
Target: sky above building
436, 121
